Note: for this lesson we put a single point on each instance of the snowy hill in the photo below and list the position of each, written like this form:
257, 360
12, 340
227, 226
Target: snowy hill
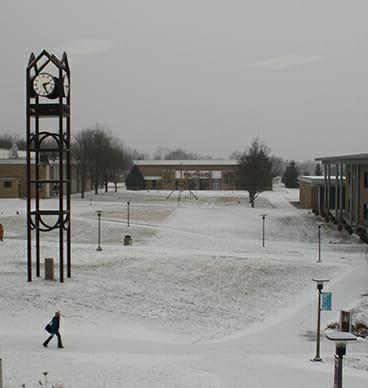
196, 301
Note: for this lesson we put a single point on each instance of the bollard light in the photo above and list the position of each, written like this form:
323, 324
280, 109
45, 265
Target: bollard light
128, 215
99, 212
320, 283
319, 225
340, 339
263, 228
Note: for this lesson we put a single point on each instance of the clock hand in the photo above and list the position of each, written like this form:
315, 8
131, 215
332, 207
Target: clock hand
45, 83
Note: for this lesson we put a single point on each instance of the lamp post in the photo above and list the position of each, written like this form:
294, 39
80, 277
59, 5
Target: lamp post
263, 229
319, 243
128, 215
340, 339
318, 337
99, 212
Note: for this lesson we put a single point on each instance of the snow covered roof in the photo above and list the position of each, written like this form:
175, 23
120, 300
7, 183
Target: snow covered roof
316, 179
186, 162
152, 178
13, 161
5, 154
361, 158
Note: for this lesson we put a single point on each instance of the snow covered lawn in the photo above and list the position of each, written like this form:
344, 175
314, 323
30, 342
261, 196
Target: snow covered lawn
192, 303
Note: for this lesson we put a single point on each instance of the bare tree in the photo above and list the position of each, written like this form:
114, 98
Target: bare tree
7, 140
235, 155
102, 142
160, 153
254, 173
101, 158
278, 166
118, 163
81, 155
180, 154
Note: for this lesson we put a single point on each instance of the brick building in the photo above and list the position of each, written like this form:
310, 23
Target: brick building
13, 175
311, 192
353, 209
185, 174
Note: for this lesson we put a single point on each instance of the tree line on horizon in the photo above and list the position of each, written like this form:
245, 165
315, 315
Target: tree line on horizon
101, 157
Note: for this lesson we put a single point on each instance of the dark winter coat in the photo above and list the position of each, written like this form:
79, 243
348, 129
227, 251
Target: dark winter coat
55, 324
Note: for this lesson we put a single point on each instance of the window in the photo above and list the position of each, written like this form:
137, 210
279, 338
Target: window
167, 177
366, 179
7, 185
228, 177
365, 211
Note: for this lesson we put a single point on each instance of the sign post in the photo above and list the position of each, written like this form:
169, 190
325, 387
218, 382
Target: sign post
320, 283
345, 321
326, 301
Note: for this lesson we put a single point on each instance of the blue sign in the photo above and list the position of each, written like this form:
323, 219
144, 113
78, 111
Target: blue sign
326, 304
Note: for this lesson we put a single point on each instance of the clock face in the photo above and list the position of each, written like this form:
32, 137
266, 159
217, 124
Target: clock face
44, 84
66, 86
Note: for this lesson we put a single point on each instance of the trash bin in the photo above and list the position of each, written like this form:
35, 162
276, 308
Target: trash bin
49, 269
128, 239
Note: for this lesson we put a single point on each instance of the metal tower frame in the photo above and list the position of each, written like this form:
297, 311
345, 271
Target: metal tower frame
43, 144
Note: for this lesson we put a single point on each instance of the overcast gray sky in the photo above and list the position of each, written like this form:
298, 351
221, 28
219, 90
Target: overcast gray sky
204, 75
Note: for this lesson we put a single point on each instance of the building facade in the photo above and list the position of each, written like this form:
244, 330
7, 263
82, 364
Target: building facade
353, 209
182, 175
312, 192
13, 176
13, 179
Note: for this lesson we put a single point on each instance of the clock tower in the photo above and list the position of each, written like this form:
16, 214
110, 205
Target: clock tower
48, 145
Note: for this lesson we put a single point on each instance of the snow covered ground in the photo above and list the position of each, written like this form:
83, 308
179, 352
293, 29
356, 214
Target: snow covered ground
196, 301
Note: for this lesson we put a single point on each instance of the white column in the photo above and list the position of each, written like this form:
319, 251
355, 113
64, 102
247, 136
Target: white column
357, 192
351, 168
329, 188
336, 190
341, 189
325, 189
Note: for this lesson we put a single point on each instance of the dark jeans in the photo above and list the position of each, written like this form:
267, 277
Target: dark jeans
60, 344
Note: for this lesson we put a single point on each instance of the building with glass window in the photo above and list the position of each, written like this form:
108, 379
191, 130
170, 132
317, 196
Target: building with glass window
13, 175
312, 195
182, 174
351, 173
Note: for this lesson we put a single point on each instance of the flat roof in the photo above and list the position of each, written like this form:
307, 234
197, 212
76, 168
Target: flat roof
13, 161
186, 162
316, 179
152, 178
5, 154
5, 178
361, 158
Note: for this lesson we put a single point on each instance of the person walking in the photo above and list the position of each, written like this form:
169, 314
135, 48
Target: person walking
1, 232
53, 329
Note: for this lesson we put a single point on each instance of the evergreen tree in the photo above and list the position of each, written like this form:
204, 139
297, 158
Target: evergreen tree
135, 179
290, 176
318, 170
